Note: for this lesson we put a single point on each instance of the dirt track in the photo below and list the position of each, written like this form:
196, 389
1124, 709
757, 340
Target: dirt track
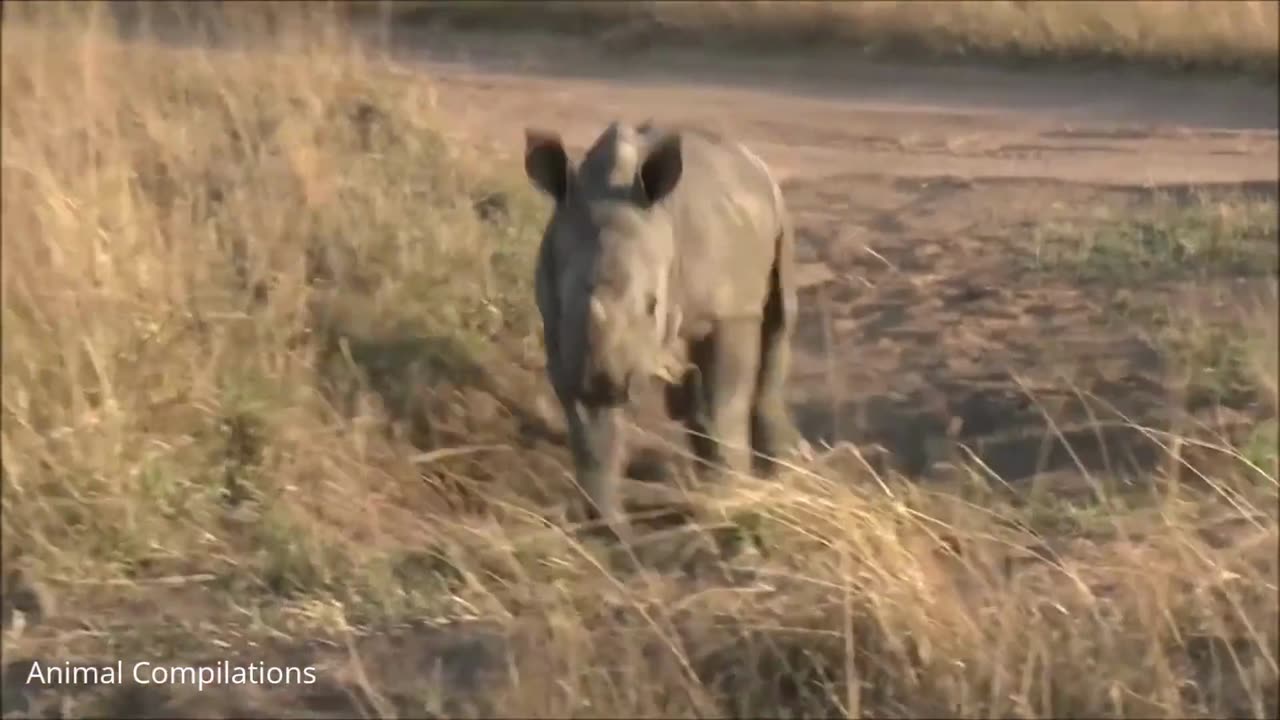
916, 192
893, 121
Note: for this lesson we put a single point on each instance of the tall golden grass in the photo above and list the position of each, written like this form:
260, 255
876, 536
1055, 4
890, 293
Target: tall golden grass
237, 281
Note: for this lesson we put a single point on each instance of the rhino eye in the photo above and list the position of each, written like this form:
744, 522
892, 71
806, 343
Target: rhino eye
651, 305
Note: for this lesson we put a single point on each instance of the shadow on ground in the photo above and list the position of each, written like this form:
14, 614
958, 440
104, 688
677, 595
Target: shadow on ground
931, 331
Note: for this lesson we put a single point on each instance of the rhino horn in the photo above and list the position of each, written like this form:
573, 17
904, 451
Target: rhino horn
672, 334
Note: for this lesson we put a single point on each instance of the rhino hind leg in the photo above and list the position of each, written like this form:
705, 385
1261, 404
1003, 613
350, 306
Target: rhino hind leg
772, 431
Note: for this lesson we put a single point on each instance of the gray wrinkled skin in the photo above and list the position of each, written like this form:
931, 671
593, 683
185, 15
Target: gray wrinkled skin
669, 254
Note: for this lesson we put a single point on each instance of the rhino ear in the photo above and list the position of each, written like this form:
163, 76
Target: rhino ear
546, 162
661, 169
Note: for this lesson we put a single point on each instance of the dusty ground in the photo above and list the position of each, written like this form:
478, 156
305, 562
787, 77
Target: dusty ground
918, 193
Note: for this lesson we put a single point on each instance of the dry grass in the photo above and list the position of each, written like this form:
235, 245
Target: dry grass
242, 289
1169, 33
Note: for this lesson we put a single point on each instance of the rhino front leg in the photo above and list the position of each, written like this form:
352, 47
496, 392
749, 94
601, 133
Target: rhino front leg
598, 444
729, 375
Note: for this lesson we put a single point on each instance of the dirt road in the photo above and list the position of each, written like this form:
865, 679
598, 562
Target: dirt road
898, 121
917, 193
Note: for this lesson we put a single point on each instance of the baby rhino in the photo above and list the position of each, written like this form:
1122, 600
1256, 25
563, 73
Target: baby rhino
669, 254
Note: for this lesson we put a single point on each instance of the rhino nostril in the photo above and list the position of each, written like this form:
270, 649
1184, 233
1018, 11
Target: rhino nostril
597, 382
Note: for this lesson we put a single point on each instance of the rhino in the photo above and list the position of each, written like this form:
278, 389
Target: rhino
669, 254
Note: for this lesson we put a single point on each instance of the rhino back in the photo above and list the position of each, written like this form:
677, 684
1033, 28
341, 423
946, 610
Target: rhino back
726, 214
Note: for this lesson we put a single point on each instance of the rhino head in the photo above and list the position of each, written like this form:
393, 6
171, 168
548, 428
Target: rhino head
614, 253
